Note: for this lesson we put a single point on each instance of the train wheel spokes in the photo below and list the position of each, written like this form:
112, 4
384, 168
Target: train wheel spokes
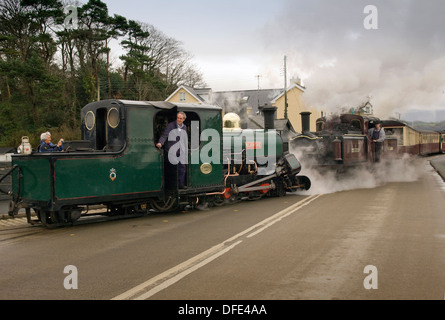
164, 205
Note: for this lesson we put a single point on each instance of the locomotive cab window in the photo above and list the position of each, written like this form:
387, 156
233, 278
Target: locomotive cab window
90, 120
320, 126
356, 125
104, 129
113, 118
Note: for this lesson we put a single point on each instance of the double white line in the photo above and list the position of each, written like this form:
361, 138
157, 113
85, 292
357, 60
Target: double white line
164, 280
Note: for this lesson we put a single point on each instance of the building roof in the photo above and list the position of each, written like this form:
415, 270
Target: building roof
294, 85
231, 100
250, 98
201, 91
194, 92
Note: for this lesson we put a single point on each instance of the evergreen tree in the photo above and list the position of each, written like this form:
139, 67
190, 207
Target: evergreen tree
48, 73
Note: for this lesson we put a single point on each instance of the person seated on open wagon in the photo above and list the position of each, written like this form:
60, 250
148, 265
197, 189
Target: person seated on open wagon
47, 146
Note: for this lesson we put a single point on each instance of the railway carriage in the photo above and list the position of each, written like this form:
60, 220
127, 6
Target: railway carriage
413, 141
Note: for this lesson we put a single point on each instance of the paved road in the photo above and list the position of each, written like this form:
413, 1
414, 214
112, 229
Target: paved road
438, 163
296, 247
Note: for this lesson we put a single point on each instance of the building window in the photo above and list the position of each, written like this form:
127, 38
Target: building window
182, 97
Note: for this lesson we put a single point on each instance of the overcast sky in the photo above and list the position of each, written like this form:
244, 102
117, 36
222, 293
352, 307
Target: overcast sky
401, 65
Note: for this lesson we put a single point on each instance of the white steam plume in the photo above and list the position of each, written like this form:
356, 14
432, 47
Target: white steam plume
404, 169
401, 64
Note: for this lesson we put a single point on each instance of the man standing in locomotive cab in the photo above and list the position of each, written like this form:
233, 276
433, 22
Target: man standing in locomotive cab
175, 135
47, 146
377, 136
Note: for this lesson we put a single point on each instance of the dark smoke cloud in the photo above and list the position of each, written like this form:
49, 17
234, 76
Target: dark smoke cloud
401, 65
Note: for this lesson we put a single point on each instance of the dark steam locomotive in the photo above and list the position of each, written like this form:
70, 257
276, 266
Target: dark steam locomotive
343, 141
340, 141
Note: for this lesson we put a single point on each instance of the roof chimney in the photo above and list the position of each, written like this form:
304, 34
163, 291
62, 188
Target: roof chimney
269, 116
306, 121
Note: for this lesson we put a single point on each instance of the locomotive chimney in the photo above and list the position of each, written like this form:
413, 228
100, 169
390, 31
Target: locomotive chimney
306, 121
269, 116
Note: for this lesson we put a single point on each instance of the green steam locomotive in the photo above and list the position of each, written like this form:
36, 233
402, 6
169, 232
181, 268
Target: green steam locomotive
117, 165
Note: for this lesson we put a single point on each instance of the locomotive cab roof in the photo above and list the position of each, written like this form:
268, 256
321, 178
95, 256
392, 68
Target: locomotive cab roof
156, 104
104, 123
346, 123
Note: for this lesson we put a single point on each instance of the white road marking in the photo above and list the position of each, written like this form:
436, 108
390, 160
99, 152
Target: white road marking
164, 280
283, 214
184, 273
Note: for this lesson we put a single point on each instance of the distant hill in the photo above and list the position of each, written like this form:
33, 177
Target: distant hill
433, 126
424, 115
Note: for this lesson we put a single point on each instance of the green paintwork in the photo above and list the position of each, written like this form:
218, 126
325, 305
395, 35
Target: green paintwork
257, 143
137, 170
36, 178
209, 119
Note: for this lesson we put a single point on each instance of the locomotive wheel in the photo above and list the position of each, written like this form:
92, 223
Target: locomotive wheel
280, 189
73, 215
234, 198
255, 195
164, 206
304, 181
218, 202
48, 219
